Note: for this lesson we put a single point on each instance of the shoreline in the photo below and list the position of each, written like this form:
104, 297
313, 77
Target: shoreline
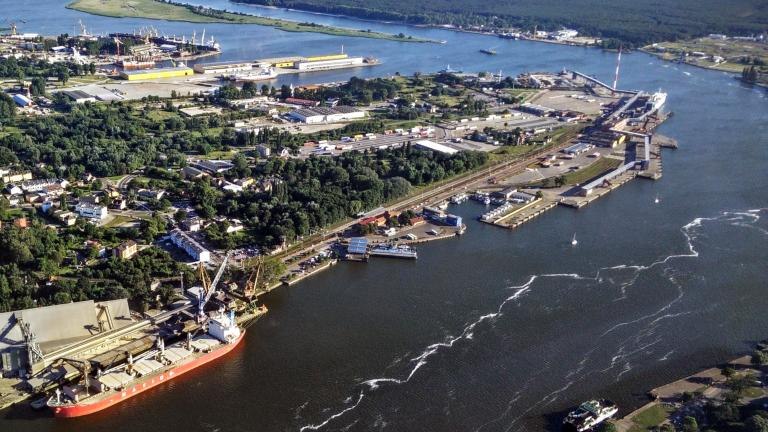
190, 16
672, 393
446, 27
735, 74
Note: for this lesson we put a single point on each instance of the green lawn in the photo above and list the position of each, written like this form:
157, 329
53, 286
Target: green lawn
153, 9
158, 115
599, 167
516, 151
219, 154
649, 418
8, 130
117, 221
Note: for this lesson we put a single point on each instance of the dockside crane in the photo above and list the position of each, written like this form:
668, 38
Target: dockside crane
34, 353
209, 287
616, 77
117, 44
82, 366
253, 280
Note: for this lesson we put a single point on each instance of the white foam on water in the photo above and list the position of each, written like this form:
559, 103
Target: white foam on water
622, 355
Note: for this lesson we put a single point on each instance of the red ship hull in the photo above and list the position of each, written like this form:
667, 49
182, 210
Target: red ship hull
86, 408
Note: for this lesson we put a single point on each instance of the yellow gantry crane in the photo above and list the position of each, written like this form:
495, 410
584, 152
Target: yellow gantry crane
253, 280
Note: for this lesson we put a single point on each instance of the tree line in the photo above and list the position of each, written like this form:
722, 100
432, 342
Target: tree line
635, 23
319, 191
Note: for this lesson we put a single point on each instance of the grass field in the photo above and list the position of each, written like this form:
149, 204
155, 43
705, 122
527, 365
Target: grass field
156, 115
157, 10
600, 166
649, 418
117, 221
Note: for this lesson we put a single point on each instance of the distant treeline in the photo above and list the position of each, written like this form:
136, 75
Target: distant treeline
633, 22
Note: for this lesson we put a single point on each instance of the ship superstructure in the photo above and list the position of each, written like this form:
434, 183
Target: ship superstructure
209, 336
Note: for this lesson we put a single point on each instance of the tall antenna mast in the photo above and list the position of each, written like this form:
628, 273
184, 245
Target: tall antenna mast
618, 64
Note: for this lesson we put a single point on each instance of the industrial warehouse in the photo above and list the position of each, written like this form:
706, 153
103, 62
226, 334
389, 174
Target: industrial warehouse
326, 115
147, 74
235, 69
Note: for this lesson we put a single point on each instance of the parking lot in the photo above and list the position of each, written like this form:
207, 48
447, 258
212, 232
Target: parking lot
571, 100
559, 167
448, 134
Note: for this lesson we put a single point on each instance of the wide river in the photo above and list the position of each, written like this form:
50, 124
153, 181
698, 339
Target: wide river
498, 330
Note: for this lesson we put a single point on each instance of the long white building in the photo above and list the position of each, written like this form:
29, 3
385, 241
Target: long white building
326, 115
91, 210
190, 246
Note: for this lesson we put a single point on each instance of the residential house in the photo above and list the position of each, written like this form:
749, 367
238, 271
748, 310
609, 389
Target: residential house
91, 210
126, 249
191, 173
67, 218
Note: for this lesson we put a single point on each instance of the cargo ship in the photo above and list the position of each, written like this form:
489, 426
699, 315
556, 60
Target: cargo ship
126, 371
106, 389
136, 64
589, 415
260, 74
394, 251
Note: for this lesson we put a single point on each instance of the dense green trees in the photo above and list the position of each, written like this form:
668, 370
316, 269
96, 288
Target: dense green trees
631, 21
32, 258
12, 67
316, 192
750, 74
7, 109
107, 140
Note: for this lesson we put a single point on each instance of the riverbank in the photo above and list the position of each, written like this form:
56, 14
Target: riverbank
739, 381
153, 9
719, 52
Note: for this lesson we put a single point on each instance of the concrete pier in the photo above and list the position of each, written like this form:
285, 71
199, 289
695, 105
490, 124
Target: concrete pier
581, 201
526, 213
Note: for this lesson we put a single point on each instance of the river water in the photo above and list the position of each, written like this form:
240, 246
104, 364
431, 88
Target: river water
498, 330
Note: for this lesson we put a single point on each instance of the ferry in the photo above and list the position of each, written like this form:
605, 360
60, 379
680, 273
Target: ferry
394, 251
260, 74
590, 414
102, 390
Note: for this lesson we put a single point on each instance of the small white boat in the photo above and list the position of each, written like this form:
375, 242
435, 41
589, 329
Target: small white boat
589, 415
574, 242
656, 200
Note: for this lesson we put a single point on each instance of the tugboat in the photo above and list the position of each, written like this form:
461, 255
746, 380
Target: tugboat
589, 414
488, 51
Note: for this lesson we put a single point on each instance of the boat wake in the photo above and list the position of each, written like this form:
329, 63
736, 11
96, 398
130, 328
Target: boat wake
633, 344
